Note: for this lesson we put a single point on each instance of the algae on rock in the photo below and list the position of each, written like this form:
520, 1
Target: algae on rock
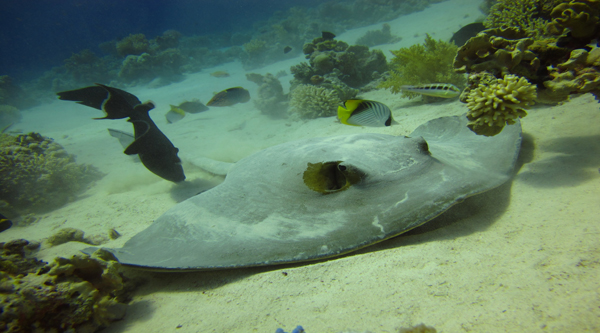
81, 294
38, 174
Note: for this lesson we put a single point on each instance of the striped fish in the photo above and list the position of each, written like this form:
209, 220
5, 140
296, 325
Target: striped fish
443, 90
360, 112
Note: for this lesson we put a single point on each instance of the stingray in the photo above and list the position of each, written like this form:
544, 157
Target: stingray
323, 197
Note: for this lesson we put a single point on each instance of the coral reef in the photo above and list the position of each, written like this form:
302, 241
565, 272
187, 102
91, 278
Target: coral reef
422, 64
146, 67
38, 174
500, 52
550, 44
497, 104
271, 99
80, 294
65, 235
579, 74
86, 67
354, 65
528, 16
378, 37
307, 101
13, 95
133, 45
8, 115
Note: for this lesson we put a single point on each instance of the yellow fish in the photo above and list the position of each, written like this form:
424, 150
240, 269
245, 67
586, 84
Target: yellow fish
219, 74
443, 90
175, 114
360, 112
230, 97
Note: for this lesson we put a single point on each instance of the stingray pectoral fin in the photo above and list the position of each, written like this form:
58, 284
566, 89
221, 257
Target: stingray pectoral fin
125, 139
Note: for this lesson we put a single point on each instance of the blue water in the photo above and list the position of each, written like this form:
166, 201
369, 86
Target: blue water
36, 35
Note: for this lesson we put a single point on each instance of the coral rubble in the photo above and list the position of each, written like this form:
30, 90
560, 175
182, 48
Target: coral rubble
497, 104
37, 173
80, 294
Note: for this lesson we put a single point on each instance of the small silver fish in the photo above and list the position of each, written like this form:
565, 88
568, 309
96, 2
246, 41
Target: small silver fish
443, 90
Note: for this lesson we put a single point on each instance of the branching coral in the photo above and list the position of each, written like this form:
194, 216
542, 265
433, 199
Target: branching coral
421, 64
79, 294
312, 102
38, 174
524, 15
500, 103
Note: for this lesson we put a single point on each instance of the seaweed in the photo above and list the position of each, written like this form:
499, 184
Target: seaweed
430, 62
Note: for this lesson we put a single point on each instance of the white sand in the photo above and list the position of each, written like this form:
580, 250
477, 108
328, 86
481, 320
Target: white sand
521, 258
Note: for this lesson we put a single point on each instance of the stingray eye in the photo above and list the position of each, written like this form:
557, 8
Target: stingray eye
330, 177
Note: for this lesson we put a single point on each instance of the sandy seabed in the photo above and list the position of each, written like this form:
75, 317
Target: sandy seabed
524, 257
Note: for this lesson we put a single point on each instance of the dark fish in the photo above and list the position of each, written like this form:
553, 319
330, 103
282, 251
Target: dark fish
287, 49
155, 150
193, 106
4, 223
327, 35
463, 34
230, 97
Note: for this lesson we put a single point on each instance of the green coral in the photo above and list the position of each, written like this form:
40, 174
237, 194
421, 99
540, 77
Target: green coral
529, 16
37, 173
499, 103
310, 102
579, 16
422, 64
80, 294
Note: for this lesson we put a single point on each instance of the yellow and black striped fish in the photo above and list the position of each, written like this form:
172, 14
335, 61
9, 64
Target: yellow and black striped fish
360, 112
443, 90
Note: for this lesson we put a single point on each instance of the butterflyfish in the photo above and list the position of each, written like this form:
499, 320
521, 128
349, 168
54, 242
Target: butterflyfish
360, 112
175, 114
443, 90
230, 97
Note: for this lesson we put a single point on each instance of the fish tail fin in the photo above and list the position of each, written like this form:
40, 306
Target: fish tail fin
345, 110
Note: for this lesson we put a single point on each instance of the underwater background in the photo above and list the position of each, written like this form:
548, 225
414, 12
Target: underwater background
521, 257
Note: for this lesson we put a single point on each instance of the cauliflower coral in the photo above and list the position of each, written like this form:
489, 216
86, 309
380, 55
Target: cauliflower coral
499, 103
